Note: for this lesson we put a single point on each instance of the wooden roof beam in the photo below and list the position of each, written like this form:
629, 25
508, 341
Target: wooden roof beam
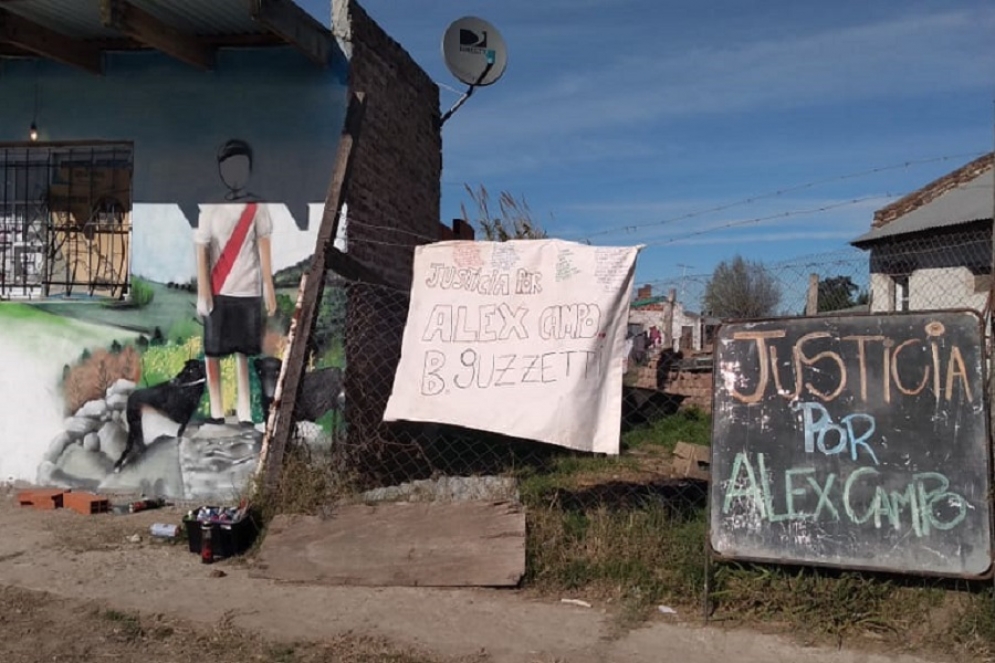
296, 27
47, 43
143, 27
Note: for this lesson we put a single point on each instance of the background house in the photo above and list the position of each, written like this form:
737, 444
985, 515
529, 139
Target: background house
932, 248
677, 328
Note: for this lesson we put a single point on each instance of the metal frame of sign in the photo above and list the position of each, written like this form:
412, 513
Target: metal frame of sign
714, 556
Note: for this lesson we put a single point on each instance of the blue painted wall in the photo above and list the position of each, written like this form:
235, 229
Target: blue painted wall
290, 111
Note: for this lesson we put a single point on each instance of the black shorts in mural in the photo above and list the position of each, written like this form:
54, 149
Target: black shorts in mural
235, 325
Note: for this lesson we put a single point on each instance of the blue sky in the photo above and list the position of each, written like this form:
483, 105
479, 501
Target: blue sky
622, 113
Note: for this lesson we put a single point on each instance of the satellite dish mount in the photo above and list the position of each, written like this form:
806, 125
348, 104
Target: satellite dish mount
476, 55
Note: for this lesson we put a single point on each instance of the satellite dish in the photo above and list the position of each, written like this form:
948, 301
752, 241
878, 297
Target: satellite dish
474, 51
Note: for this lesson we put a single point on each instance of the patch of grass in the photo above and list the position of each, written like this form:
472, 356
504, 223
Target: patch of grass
334, 356
973, 628
691, 425
27, 313
184, 328
636, 557
282, 654
128, 627
332, 423
822, 602
569, 472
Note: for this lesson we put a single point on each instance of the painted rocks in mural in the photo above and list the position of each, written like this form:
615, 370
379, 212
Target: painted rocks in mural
208, 461
218, 460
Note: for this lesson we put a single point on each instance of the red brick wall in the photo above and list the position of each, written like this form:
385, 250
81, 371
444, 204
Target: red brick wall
393, 199
696, 388
395, 191
932, 191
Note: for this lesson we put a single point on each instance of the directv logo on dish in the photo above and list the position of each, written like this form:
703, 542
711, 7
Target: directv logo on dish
472, 42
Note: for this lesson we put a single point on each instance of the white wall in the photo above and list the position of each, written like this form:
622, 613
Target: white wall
880, 293
944, 288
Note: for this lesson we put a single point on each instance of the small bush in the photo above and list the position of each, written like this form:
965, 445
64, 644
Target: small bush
142, 293
95, 372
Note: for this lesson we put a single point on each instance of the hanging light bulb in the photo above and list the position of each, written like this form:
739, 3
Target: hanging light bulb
33, 130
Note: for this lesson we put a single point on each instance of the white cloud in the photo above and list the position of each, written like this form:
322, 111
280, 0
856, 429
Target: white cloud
898, 59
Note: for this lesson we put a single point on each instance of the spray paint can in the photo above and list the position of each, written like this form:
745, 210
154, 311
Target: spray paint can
206, 543
165, 531
142, 505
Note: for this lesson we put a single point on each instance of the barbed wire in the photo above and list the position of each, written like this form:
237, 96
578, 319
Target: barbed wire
781, 192
352, 220
760, 219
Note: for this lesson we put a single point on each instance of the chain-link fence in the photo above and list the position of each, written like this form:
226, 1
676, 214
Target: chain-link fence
635, 524
671, 327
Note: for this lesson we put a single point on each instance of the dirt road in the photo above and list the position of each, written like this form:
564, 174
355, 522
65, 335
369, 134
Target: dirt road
90, 561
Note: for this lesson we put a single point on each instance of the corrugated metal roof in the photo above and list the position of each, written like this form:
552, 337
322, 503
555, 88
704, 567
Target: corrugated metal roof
970, 201
80, 19
204, 17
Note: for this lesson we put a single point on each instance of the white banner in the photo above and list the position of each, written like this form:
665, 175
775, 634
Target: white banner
524, 338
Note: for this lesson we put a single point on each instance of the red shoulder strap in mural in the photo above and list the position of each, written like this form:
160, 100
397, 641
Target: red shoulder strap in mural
228, 255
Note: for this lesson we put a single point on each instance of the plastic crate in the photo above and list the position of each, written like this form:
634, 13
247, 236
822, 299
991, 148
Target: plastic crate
228, 539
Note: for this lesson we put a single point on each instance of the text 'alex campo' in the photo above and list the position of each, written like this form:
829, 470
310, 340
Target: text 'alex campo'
501, 322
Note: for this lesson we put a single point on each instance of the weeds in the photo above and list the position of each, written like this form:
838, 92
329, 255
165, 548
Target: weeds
690, 425
821, 602
282, 654
973, 628
636, 557
128, 627
308, 483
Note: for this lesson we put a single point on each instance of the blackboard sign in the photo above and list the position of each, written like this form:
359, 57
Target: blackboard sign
853, 441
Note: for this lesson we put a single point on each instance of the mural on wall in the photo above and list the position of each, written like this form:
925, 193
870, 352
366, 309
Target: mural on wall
184, 416
160, 383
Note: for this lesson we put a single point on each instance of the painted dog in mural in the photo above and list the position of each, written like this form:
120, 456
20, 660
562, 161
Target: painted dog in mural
321, 389
177, 399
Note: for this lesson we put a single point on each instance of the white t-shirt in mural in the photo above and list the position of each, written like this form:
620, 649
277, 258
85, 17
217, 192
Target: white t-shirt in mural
215, 226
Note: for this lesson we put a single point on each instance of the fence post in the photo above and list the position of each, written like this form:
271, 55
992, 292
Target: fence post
668, 319
280, 419
812, 301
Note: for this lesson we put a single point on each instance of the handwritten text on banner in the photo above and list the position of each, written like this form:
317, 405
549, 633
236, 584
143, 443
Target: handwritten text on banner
524, 338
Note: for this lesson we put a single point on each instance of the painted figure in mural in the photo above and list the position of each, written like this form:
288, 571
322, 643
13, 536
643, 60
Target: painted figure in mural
234, 278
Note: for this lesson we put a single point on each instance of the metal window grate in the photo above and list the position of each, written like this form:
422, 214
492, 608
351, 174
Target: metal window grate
65, 219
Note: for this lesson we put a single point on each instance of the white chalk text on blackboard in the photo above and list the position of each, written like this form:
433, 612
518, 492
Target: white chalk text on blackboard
915, 506
943, 369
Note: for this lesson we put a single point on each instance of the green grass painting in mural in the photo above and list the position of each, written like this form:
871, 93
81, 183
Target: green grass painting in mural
162, 307
48, 336
13, 312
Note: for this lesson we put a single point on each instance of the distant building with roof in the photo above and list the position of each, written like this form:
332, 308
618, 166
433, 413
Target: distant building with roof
678, 328
933, 248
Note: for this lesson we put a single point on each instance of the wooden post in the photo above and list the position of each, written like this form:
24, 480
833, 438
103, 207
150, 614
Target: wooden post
668, 319
280, 419
812, 302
